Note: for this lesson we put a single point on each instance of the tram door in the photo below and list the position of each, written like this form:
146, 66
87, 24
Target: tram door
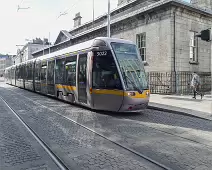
44, 77
37, 76
82, 78
50, 78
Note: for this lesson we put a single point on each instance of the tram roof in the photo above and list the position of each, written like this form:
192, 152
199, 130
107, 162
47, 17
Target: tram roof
75, 48
82, 46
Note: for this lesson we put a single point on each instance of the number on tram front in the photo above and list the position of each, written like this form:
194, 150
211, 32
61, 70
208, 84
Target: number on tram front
101, 53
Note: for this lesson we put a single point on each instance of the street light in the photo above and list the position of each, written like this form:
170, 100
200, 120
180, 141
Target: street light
108, 20
49, 44
93, 14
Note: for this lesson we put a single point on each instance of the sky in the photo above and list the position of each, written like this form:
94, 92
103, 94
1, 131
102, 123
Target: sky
41, 19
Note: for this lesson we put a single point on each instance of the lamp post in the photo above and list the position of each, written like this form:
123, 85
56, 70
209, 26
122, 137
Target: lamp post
108, 20
49, 44
93, 10
43, 47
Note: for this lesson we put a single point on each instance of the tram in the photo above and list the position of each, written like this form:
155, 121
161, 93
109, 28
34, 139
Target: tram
103, 74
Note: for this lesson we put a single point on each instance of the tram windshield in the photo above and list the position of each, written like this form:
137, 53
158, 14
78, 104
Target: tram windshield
105, 73
131, 66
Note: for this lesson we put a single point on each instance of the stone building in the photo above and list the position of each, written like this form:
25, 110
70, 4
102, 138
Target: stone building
25, 53
5, 61
165, 33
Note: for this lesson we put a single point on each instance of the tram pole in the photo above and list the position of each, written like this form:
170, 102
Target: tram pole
108, 20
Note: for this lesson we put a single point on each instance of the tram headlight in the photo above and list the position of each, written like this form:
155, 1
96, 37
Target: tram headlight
148, 93
131, 93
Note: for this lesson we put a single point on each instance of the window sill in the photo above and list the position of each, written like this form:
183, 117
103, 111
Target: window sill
194, 62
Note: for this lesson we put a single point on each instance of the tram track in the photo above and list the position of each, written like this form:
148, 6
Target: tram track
59, 162
49, 104
133, 119
53, 156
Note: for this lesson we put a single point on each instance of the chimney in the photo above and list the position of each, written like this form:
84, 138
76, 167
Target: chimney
77, 20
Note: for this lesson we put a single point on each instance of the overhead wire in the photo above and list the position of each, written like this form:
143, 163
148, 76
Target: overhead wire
20, 7
68, 10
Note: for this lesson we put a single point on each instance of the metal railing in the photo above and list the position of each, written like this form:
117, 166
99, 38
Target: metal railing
177, 82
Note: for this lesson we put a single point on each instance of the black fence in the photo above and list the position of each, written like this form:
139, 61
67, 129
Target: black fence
176, 82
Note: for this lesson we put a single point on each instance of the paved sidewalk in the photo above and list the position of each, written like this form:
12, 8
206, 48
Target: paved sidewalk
183, 104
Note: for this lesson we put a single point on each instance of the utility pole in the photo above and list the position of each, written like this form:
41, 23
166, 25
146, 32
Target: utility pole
49, 44
108, 20
43, 46
93, 10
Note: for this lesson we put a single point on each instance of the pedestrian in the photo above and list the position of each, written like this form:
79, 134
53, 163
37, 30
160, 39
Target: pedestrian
195, 84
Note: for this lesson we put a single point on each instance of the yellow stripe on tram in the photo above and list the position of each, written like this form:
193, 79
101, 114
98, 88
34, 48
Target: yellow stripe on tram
121, 93
60, 86
43, 84
103, 91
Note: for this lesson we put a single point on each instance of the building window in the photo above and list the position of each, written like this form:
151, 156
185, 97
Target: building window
141, 43
193, 47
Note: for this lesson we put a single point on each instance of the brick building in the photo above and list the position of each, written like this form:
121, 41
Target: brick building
164, 31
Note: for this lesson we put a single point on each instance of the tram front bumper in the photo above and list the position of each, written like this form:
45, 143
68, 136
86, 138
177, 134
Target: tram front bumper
135, 104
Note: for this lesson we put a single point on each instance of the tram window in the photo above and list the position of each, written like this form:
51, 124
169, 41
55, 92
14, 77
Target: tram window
51, 71
105, 74
23, 71
70, 70
26, 73
17, 72
37, 70
60, 71
43, 71
12, 71
29, 71
82, 77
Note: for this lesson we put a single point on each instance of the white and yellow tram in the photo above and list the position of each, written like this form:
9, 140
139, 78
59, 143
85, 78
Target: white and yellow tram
103, 74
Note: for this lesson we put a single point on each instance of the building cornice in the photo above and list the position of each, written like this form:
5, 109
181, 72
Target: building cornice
146, 9
156, 4
160, 4
104, 15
